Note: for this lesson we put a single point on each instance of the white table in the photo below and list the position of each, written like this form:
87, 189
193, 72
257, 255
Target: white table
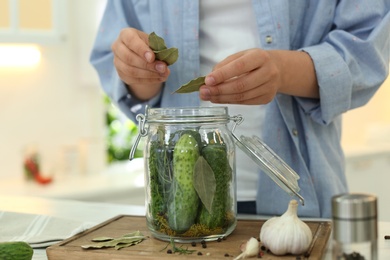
121, 182
99, 212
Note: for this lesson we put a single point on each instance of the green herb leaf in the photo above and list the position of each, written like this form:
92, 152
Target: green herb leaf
191, 86
169, 56
204, 182
156, 43
180, 250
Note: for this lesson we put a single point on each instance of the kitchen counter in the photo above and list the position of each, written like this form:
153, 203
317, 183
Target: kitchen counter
99, 212
90, 213
121, 183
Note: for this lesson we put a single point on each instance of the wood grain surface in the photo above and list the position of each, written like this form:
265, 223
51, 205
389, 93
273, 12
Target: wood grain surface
152, 248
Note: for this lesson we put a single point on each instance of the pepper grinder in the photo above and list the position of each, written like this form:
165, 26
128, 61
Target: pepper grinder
355, 228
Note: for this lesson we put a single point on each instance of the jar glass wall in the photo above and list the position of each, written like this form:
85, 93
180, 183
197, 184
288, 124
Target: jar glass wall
190, 174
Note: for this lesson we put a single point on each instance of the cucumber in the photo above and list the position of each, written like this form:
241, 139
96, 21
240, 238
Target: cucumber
216, 156
184, 202
15, 250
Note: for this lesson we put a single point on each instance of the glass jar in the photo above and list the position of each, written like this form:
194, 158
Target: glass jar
190, 175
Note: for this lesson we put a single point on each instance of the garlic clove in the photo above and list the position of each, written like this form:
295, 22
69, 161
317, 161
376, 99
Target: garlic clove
286, 234
249, 249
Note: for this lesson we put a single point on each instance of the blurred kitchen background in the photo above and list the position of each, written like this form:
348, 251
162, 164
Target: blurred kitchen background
51, 104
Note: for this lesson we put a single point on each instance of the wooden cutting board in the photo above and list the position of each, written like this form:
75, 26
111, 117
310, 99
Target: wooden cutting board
152, 248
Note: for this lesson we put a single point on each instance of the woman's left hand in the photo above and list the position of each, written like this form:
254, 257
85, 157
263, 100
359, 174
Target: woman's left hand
248, 77
255, 76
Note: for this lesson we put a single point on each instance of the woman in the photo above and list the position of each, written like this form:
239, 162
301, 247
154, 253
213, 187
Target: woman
291, 68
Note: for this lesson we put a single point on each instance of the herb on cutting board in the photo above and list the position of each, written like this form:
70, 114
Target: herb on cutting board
181, 250
126, 240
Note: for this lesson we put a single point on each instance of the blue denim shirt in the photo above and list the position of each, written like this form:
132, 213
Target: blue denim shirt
348, 41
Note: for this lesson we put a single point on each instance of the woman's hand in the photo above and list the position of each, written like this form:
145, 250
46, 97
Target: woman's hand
136, 65
255, 76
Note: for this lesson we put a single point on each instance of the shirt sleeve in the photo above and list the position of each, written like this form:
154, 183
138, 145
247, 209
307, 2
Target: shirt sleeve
352, 61
117, 16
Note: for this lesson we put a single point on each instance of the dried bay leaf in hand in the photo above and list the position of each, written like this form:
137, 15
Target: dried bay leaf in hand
192, 85
169, 56
157, 44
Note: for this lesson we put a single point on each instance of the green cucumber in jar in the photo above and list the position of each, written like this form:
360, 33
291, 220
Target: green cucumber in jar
184, 203
217, 157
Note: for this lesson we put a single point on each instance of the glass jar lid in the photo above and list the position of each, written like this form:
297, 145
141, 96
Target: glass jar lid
176, 115
282, 174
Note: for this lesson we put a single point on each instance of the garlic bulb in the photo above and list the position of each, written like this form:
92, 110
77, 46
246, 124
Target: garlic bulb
287, 233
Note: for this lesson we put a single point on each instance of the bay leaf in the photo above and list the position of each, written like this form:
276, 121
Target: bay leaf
132, 234
102, 239
191, 86
204, 182
169, 56
120, 242
156, 43
123, 245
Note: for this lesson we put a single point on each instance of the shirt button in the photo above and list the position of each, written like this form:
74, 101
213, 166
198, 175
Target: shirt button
268, 39
295, 132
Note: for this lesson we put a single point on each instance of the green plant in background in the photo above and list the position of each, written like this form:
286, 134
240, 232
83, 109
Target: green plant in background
120, 134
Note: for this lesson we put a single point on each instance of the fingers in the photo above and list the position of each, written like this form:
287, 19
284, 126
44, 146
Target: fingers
135, 61
248, 77
241, 90
137, 42
132, 75
236, 65
126, 56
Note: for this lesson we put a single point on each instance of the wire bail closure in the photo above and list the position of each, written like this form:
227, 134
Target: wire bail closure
142, 133
237, 119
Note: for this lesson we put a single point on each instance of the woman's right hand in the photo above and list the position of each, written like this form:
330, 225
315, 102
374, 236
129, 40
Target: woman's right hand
136, 65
